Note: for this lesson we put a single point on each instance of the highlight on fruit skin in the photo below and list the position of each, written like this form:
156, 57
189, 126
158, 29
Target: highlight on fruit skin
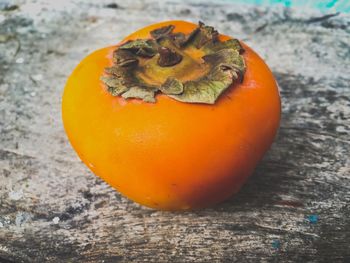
175, 117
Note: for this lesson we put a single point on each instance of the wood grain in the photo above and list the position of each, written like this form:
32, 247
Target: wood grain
294, 208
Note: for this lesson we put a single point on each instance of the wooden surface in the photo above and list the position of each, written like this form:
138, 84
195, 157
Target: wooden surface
295, 208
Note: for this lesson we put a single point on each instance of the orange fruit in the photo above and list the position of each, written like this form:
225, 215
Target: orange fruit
171, 155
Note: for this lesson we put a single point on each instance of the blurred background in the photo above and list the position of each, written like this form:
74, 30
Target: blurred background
325, 6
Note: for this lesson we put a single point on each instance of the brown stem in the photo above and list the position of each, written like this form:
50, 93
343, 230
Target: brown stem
168, 57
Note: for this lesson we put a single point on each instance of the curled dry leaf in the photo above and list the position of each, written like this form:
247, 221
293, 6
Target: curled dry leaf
144, 67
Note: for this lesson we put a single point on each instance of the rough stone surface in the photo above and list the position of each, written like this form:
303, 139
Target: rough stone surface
294, 208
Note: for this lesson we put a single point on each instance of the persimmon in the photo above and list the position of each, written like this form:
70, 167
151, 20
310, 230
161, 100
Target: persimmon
175, 117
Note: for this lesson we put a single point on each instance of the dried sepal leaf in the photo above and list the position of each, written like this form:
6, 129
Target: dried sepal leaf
125, 58
229, 58
226, 66
230, 44
111, 81
206, 34
172, 86
199, 37
141, 47
181, 40
116, 71
124, 74
115, 86
147, 95
116, 91
162, 32
203, 91
128, 85
167, 42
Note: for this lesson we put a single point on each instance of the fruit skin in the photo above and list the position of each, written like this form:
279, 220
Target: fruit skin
171, 155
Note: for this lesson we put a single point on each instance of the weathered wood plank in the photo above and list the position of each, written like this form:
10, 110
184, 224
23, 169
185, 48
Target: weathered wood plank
296, 205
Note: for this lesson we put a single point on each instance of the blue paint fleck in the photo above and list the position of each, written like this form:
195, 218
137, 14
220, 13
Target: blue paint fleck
276, 244
313, 219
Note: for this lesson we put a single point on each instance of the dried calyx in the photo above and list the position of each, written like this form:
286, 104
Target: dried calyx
193, 68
